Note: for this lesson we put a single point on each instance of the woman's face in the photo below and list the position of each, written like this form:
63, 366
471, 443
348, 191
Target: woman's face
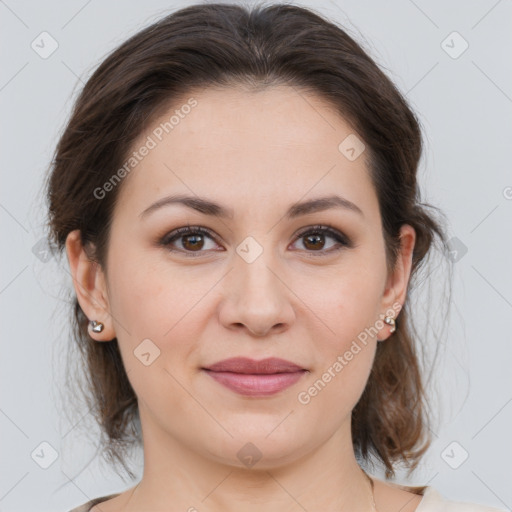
260, 283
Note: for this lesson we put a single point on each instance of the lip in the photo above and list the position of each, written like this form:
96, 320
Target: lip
247, 365
255, 378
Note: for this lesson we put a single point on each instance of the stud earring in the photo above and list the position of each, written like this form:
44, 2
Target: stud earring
390, 321
96, 326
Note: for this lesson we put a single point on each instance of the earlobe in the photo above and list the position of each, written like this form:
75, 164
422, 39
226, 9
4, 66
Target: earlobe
90, 287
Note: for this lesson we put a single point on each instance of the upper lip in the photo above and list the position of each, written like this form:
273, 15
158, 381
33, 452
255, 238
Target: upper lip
246, 365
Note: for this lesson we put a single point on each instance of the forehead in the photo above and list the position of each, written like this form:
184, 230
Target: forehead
234, 143
240, 119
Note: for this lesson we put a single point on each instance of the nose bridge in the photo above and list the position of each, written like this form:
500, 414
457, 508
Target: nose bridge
255, 258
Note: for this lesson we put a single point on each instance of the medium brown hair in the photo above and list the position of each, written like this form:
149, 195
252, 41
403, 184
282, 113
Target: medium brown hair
227, 45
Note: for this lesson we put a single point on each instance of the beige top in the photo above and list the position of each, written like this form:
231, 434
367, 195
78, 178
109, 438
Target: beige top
432, 501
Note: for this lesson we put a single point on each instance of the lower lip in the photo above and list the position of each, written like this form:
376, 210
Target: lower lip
256, 385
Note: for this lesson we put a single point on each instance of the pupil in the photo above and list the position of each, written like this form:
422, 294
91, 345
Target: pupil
195, 242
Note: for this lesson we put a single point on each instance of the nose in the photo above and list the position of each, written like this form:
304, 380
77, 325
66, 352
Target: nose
256, 298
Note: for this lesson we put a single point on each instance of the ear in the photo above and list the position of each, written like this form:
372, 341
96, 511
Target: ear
90, 286
395, 292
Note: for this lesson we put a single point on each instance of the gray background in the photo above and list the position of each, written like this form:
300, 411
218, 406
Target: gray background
464, 103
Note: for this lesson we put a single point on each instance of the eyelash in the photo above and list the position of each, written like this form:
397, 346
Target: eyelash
343, 241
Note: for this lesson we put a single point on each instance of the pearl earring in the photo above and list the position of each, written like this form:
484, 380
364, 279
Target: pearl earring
96, 326
390, 321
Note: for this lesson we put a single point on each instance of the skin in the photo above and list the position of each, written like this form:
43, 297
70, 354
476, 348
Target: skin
258, 153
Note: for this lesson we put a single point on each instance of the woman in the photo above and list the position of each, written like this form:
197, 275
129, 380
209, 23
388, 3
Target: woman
236, 194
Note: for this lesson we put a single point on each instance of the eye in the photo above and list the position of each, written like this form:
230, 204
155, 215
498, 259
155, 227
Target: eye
192, 240
314, 237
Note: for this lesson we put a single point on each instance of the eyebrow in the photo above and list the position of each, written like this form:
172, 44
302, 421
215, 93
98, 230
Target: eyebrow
213, 209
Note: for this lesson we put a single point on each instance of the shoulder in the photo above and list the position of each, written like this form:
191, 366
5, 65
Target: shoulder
434, 501
423, 499
86, 507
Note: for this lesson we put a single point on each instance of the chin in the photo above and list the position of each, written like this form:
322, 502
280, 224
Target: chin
259, 451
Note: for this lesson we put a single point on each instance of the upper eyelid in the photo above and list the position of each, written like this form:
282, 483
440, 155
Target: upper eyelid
326, 228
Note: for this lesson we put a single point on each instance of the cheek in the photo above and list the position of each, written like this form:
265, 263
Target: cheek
345, 301
152, 316
149, 294
344, 344
154, 299
343, 308
137, 299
